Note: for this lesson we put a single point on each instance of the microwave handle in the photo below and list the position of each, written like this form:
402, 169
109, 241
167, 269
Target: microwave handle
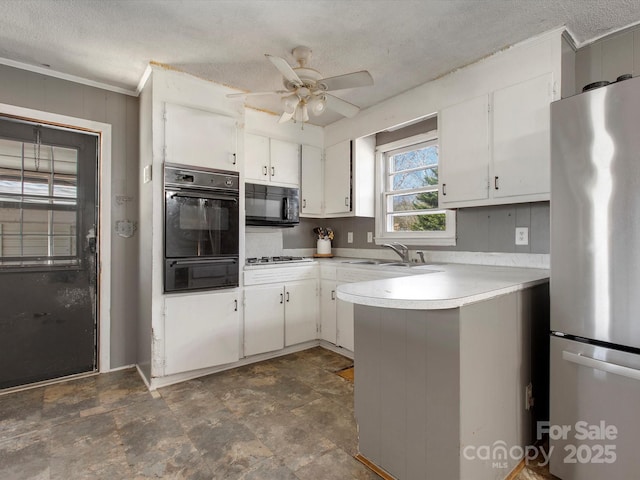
285, 207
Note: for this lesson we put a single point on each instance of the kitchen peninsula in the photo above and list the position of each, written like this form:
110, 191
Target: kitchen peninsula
443, 365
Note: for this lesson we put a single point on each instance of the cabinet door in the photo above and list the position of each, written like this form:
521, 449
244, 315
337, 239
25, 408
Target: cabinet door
285, 163
256, 158
311, 184
328, 326
201, 330
521, 139
344, 317
199, 138
337, 178
263, 319
464, 151
301, 312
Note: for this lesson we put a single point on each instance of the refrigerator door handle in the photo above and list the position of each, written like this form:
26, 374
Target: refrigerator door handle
600, 365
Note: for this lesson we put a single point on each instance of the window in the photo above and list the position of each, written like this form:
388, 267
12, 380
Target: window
408, 192
38, 207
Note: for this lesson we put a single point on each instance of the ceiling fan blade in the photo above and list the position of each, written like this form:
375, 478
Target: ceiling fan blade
251, 94
348, 80
286, 117
285, 69
341, 106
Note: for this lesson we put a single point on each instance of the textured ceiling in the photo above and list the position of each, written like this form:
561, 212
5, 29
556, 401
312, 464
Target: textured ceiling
403, 43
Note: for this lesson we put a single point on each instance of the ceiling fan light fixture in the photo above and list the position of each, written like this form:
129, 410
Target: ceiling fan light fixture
317, 105
301, 114
289, 103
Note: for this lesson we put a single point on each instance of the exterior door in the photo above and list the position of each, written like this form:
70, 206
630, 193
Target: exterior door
48, 252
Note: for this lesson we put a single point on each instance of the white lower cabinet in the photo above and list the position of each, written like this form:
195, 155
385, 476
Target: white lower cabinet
328, 314
344, 321
280, 314
263, 319
300, 312
201, 330
336, 316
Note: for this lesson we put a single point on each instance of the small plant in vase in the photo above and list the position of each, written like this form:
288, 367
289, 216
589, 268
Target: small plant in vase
323, 236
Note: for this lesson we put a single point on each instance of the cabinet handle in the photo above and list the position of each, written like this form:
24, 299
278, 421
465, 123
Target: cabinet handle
304, 203
444, 189
287, 297
333, 294
264, 170
273, 171
346, 201
234, 160
495, 182
281, 298
235, 309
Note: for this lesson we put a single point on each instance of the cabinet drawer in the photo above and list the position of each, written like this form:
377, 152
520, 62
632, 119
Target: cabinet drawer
262, 275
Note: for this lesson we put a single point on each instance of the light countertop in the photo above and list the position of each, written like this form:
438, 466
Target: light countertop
446, 286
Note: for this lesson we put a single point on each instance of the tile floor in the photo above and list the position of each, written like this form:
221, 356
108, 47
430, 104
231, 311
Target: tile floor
289, 418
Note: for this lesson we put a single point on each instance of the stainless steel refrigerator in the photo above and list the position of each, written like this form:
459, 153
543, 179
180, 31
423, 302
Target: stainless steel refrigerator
595, 284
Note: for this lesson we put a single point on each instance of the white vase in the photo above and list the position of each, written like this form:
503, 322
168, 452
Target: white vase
324, 246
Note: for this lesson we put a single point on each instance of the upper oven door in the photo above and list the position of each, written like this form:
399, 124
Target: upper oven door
200, 224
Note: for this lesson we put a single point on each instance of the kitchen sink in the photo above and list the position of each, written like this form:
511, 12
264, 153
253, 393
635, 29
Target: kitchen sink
397, 264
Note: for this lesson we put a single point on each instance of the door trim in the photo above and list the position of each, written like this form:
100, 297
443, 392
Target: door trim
104, 220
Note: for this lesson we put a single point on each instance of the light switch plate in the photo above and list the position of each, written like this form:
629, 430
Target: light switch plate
349, 237
522, 235
369, 237
146, 174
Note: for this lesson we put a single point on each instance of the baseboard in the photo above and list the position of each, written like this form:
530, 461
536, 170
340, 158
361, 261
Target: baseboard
374, 468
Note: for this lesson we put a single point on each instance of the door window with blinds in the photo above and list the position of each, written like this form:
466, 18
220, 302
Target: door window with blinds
409, 188
38, 203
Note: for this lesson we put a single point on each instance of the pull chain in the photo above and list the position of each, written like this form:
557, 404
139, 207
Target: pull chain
36, 150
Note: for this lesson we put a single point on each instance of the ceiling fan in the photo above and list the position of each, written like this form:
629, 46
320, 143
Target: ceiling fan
306, 89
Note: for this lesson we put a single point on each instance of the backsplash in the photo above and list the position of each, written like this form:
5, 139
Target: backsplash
479, 229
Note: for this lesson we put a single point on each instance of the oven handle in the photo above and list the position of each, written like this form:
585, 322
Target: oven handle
204, 262
208, 196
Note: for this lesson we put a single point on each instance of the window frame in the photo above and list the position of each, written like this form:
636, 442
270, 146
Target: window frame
433, 238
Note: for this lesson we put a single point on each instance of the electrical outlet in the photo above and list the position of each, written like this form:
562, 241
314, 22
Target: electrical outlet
369, 237
349, 237
522, 235
528, 396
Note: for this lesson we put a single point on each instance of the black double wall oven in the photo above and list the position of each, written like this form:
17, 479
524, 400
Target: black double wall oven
201, 228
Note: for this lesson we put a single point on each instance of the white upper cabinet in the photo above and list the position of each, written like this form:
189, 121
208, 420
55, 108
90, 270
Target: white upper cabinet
494, 149
464, 151
349, 178
311, 181
337, 178
268, 160
285, 162
256, 154
199, 138
521, 139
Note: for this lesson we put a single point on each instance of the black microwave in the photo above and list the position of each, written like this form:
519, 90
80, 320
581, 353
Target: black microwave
268, 205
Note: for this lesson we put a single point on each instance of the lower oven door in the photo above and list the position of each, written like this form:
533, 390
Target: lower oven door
183, 274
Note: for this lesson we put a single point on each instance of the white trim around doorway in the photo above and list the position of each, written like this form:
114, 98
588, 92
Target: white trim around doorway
104, 228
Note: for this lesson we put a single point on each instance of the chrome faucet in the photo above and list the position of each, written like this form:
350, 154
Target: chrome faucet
400, 249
